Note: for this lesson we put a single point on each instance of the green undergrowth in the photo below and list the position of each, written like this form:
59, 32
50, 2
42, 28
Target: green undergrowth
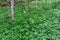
37, 24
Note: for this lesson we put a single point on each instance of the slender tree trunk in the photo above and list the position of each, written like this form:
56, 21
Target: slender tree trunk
12, 9
36, 3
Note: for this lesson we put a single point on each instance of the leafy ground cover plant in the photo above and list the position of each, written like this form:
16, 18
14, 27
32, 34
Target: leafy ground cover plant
41, 25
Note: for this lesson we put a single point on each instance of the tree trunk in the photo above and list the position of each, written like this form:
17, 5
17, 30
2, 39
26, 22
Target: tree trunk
12, 9
36, 3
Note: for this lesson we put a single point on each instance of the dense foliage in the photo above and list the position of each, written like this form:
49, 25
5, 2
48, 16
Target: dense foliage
42, 23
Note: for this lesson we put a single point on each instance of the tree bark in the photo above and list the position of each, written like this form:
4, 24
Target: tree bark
12, 9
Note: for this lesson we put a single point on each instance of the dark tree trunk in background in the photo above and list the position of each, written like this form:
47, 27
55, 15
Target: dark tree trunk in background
12, 9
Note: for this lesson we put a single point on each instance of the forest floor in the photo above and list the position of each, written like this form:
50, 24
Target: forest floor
40, 24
